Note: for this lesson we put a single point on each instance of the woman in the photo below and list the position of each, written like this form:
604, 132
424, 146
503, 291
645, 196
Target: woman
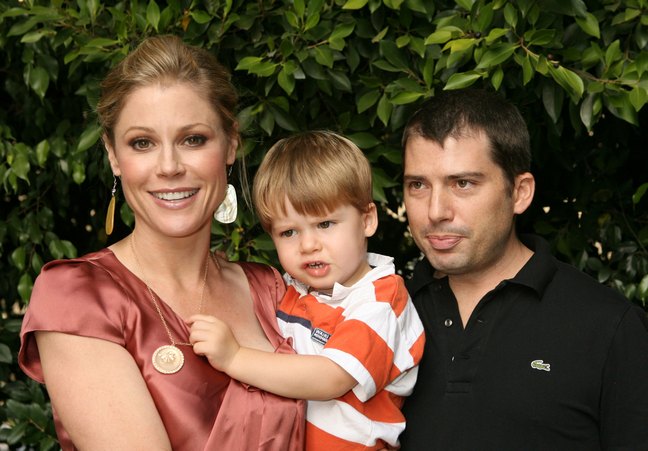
106, 332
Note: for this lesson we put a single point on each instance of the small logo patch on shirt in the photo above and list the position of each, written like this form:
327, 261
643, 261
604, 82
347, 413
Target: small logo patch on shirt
540, 365
320, 336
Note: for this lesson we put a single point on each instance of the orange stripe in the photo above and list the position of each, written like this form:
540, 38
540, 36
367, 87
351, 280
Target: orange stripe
417, 348
392, 289
362, 342
317, 439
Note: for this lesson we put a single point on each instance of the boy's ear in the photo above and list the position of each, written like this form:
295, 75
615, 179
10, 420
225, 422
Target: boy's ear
370, 220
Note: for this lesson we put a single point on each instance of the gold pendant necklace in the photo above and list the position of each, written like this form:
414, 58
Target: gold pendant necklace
169, 359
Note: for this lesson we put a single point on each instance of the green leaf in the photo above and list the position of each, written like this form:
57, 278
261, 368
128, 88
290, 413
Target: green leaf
364, 140
465, 4
39, 81
78, 172
496, 55
497, 77
439, 37
638, 97
153, 14
403, 98
200, 16
25, 285
340, 80
552, 99
5, 354
384, 109
569, 81
20, 165
367, 100
613, 53
248, 62
37, 35
527, 71
642, 289
89, 137
342, 31
589, 24
324, 56
42, 151
461, 80
18, 257
354, 4
286, 81
510, 15
587, 111
21, 28
636, 197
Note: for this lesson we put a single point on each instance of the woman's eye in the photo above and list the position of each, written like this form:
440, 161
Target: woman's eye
140, 144
195, 140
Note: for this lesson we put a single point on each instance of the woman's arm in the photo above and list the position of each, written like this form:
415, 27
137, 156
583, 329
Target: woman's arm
99, 394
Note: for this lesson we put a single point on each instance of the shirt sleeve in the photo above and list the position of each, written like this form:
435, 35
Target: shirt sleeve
624, 402
75, 297
380, 340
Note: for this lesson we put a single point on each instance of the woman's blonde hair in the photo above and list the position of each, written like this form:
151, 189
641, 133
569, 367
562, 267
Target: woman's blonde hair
166, 59
316, 172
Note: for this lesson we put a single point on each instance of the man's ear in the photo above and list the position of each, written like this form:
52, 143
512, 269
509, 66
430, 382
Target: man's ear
370, 219
112, 158
523, 191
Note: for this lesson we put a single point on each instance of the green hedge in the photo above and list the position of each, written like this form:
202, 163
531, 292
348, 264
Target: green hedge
579, 73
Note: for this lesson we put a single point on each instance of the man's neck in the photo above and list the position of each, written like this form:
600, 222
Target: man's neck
470, 288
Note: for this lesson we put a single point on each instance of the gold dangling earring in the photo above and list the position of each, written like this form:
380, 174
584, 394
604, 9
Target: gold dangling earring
110, 214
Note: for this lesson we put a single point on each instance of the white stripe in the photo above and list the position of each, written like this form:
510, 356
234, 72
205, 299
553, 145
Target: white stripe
343, 421
397, 333
366, 387
403, 385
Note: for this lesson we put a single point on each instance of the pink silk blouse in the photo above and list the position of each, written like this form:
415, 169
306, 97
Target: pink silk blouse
202, 408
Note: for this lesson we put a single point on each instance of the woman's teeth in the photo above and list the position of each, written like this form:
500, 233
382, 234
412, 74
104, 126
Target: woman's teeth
177, 195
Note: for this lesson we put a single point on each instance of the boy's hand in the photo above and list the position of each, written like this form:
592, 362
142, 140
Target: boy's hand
213, 339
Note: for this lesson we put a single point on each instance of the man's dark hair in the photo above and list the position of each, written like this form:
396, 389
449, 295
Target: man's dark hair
465, 112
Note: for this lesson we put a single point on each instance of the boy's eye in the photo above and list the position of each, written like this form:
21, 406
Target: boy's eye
287, 233
325, 224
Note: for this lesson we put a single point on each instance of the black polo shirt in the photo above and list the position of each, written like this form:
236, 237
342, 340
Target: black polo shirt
549, 360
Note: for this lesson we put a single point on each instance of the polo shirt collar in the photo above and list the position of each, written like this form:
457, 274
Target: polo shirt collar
536, 274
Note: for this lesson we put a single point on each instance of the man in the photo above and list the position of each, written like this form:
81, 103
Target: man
523, 352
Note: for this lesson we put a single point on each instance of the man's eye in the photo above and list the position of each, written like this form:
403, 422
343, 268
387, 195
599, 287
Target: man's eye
416, 185
463, 183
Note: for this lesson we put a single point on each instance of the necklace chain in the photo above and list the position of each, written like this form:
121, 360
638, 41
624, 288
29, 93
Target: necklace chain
157, 307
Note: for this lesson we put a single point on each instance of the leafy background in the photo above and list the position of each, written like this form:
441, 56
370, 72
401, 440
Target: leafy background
577, 71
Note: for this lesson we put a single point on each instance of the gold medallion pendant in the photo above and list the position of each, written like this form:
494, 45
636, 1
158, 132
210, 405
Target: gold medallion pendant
168, 359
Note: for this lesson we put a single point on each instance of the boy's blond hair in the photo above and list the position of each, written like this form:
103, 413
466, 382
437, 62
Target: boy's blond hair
316, 172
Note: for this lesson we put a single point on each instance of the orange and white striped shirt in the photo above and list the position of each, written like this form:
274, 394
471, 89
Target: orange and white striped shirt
373, 332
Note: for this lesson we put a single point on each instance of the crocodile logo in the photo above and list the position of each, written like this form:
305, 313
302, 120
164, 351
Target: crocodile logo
540, 365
